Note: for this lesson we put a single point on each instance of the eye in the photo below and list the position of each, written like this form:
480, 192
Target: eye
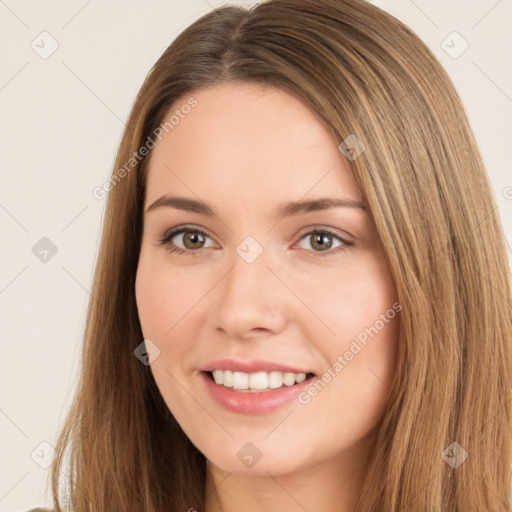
322, 239
190, 238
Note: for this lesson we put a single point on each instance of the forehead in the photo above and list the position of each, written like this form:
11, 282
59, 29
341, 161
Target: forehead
244, 140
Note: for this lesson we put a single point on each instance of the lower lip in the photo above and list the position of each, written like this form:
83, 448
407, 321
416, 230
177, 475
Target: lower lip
253, 403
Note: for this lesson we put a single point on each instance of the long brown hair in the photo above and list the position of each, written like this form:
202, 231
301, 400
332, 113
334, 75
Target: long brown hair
421, 176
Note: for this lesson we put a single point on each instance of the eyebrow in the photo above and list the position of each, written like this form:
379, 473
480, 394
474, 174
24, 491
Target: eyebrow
290, 209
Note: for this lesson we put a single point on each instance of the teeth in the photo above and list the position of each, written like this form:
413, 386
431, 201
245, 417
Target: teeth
301, 377
228, 378
275, 380
258, 380
254, 382
289, 379
240, 380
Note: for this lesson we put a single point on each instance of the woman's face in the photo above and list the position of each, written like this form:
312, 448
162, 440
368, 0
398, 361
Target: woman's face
299, 325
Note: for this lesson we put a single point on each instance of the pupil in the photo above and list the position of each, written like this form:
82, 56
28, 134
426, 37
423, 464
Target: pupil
194, 238
320, 239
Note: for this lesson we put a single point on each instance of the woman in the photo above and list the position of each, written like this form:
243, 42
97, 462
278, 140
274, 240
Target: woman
302, 297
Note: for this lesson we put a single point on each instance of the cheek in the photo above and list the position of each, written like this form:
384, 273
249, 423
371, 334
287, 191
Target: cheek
354, 389
371, 340
152, 303
163, 298
348, 300
160, 311
360, 308
168, 303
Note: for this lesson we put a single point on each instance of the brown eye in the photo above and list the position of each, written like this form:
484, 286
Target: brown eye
321, 241
193, 239
184, 240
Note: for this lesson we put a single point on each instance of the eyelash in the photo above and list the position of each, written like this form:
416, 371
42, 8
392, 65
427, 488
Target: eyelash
169, 235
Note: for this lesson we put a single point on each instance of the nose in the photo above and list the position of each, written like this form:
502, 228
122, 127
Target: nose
250, 301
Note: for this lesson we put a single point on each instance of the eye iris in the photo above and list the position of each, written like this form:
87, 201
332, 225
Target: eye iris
322, 239
193, 237
195, 240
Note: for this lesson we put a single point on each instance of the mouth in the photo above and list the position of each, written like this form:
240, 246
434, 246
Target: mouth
254, 387
257, 382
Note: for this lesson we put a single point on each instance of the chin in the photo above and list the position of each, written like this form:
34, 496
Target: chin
261, 456
275, 466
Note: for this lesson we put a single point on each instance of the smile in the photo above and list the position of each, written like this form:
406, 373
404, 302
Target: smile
258, 381
257, 393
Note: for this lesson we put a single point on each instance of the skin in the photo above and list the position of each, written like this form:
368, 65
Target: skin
245, 149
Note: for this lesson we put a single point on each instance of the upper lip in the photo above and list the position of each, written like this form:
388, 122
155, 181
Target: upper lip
251, 366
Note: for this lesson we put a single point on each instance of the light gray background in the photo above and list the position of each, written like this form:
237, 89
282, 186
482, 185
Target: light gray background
62, 119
